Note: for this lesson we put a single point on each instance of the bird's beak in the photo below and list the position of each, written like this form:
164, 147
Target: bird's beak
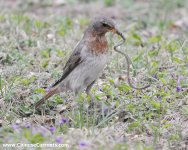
114, 30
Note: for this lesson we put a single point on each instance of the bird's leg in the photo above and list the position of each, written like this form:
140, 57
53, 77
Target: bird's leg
93, 103
88, 92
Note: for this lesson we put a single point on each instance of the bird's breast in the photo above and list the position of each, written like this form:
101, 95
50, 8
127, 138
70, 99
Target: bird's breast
98, 45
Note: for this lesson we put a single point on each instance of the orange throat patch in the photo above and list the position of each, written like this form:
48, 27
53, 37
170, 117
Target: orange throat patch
98, 46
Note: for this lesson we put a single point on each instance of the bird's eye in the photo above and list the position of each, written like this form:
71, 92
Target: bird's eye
105, 25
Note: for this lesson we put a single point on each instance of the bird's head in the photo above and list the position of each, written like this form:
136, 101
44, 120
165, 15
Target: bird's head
103, 25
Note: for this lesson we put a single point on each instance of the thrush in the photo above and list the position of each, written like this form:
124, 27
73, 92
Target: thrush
87, 61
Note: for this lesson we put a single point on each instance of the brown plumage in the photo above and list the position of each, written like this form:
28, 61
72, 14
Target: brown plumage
48, 95
87, 61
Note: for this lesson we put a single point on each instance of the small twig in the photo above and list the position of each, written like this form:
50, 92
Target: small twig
173, 66
1, 87
165, 68
128, 64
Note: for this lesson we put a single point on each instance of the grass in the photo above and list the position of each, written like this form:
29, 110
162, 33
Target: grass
36, 39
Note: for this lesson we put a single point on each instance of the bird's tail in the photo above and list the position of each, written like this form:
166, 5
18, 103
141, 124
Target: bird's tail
51, 93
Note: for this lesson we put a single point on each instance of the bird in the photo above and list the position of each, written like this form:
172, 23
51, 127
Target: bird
87, 61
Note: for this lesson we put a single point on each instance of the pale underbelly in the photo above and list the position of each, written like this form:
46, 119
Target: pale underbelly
85, 73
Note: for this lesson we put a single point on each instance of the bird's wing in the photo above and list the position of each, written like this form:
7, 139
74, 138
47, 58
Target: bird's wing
74, 60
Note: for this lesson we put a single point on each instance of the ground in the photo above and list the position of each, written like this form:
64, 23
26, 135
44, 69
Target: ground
36, 39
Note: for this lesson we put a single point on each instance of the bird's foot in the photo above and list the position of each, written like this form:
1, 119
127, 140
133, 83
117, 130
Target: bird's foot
94, 105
